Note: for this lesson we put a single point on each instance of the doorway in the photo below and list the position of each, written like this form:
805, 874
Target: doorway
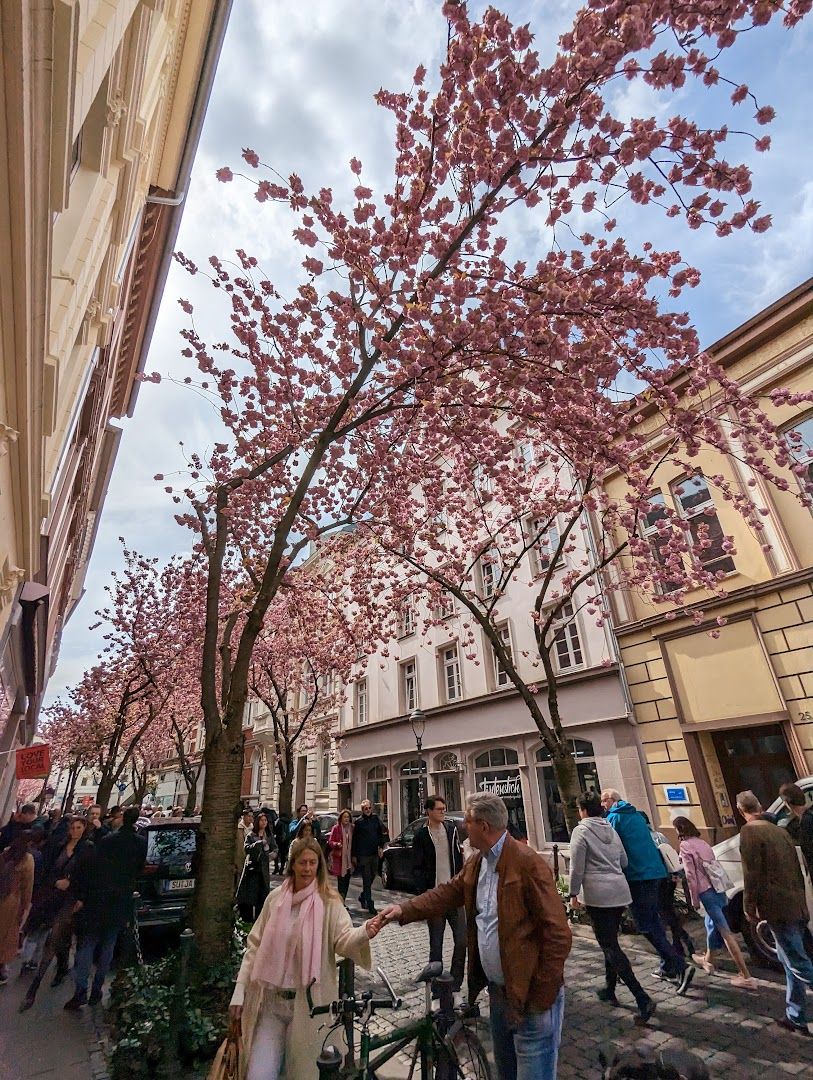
301, 779
754, 759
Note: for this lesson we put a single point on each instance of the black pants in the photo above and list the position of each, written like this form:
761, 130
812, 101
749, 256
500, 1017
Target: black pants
681, 938
456, 918
606, 922
368, 865
343, 883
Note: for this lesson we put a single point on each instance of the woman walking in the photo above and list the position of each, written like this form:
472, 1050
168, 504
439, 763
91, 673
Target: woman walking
695, 853
301, 930
597, 861
55, 905
338, 844
255, 882
16, 883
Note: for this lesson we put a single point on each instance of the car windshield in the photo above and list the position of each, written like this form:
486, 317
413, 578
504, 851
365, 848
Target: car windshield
170, 845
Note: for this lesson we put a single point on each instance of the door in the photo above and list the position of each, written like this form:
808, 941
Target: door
754, 759
301, 779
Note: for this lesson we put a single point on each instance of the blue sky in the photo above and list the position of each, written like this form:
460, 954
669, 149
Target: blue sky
296, 83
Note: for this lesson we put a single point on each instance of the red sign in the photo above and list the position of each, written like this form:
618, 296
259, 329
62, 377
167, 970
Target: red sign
34, 761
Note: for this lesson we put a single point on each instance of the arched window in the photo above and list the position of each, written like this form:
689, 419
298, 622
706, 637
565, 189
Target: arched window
446, 780
497, 771
413, 768
552, 808
496, 758
378, 772
344, 775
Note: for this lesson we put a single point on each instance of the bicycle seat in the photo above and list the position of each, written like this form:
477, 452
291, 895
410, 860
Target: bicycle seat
430, 972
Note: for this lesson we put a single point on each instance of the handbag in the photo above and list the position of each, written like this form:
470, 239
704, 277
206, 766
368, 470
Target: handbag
226, 1065
717, 875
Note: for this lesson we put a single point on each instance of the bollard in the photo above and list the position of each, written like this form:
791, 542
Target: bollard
170, 1065
329, 1062
556, 861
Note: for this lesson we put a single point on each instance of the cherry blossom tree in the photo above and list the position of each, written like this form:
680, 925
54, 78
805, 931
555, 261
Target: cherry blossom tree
72, 750
416, 310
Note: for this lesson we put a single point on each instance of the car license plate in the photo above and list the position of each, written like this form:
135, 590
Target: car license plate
180, 883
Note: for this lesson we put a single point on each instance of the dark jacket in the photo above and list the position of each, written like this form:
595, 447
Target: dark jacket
10, 830
800, 830
644, 862
107, 880
255, 881
424, 866
281, 826
533, 929
48, 900
774, 887
368, 836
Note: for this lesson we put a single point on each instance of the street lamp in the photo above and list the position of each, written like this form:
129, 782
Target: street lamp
417, 721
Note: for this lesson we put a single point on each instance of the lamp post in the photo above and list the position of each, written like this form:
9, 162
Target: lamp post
417, 721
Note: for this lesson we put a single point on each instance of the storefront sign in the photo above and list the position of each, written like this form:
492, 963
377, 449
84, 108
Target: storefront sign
676, 794
33, 762
504, 786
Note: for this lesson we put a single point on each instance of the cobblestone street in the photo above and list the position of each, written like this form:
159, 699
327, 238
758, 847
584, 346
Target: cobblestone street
733, 1031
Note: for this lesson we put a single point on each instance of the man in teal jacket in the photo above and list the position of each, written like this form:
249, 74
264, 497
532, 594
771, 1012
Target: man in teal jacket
644, 872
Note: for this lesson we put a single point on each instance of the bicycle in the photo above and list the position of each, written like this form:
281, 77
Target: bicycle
443, 1042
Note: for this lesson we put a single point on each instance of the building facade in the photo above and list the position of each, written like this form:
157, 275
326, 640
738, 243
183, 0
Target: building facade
103, 103
727, 705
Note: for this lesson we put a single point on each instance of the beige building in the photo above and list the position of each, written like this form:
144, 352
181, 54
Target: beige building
725, 708
102, 107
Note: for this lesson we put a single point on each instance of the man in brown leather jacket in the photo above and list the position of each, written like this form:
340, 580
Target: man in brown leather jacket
518, 939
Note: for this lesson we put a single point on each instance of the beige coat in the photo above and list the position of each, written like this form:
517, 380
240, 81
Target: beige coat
339, 938
14, 907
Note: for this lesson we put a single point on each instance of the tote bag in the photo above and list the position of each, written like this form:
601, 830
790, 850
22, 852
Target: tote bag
226, 1065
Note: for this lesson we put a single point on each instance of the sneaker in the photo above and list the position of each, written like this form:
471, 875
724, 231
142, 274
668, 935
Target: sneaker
607, 996
797, 1029
75, 1003
686, 979
661, 974
58, 979
645, 1012
741, 982
3, 979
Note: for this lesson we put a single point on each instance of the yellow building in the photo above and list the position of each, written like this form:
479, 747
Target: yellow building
721, 714
101, 112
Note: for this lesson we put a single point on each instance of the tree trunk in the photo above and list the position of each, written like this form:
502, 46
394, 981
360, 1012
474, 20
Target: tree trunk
286, 793
104, 791
191, 797
73, 776
567, 777
212, 915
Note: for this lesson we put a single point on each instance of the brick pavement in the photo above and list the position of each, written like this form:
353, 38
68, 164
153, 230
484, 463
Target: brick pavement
731, 1030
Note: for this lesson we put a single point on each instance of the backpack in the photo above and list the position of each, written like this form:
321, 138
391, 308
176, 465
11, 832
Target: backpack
671, 859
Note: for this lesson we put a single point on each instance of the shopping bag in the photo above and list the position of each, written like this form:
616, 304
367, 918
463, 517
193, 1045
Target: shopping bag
226, 1065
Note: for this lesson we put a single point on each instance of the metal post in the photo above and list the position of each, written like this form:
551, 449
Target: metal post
170, 1065
421, 791
556, 860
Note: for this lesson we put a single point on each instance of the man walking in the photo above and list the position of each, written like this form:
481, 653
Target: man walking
437, 857
20, 822
800, 824
774, 890
304, 813
104, 892
518, 939
366, 850
244, 826
645, 870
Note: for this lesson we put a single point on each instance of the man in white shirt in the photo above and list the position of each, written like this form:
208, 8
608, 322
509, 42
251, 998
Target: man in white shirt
437, 857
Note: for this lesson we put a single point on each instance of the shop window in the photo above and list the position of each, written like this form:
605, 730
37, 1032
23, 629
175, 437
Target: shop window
552, 809
496, 771
446, 781
411, 774
377, 790
696, 506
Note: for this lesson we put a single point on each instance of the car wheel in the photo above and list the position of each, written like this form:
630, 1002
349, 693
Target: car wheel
386, 875
759, 940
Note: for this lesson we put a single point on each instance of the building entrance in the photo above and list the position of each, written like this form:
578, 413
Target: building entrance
754, 759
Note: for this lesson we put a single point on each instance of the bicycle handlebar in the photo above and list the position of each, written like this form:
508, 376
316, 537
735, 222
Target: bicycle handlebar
359, 1006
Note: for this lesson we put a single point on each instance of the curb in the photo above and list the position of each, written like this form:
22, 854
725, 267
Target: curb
93, 1023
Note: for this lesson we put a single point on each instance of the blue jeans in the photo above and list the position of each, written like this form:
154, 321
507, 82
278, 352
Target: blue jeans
644, 908
714, 906
528, 1050
798, 968
101, 942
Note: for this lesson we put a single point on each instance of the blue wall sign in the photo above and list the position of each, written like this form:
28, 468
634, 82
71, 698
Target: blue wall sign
676, 794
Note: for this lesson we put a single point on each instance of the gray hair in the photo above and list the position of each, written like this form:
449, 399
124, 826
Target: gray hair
488, 808
747, 801
611, 793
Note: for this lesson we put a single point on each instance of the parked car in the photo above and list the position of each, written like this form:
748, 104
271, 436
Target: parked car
758, 938
167, 882
396, 864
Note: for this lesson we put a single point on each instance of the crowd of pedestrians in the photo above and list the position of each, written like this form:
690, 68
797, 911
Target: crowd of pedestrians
66, 879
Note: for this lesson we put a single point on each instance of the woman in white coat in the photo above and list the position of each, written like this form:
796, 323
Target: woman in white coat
302, 928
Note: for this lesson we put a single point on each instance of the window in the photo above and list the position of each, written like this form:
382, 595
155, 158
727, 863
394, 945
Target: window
696, 506
256, 765
500, 674
200, 737
450, 673
446, 606
544, 537
483, 482
409, 686
377, 790
406, 619
524, 452
497, 772
362, 713
566, 643
657, 535
800, 443
496, 759
489, 573
324, 775
552, 809
76, 155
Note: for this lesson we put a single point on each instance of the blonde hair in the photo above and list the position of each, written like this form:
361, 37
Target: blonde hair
326, 891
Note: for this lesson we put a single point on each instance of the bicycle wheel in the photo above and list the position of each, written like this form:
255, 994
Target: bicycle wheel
462, 1056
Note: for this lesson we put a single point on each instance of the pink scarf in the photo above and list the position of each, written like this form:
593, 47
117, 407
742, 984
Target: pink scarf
290, 954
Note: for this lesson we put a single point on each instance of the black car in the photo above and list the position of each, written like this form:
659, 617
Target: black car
167, 882
396, 865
